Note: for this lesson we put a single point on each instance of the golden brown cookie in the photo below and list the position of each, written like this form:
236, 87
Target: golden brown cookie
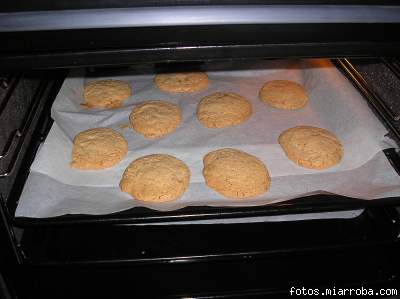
182, 82
154, 119
98, 149
156, 178
311, 147
284, 94
106, 93
223, 109
235, 174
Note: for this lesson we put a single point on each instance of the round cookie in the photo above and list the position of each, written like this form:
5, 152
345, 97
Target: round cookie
220, 110
284, 94
106, 93
156, 178
98, 149
182, 82
154, 119
235, 174
311, 147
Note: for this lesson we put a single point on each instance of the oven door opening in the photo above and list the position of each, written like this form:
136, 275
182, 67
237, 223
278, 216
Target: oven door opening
200, 238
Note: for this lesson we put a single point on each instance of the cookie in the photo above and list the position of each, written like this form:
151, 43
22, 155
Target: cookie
284, 94
106, 93
182, 82
235, 174
311, 147
154, 119
98, 149
156, 178
221, 110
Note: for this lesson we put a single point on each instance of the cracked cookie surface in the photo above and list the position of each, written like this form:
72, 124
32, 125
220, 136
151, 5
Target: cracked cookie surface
98, 148
156, 178
223, 109
311, 147
235, 174
284, 94
106, 93
182, 82
155, 119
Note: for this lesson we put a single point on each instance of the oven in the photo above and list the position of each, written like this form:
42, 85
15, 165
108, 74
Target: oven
317, 241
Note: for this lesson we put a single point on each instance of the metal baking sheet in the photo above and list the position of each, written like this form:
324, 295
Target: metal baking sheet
53, 188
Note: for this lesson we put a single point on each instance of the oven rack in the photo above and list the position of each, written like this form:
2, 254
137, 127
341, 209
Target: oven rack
28, 94
221, 257
14, 143
315, 203
8, 84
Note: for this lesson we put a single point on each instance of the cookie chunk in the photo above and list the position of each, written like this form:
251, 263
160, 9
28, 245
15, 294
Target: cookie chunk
182, 82
221, 110
154, 119
156, 178
106, 93
284, 94
235, 174
311, 147
98, 149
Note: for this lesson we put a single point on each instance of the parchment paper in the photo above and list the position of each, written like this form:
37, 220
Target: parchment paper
53, 188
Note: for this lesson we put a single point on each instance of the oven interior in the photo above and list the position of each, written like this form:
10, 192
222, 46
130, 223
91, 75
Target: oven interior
182, 258
194, 252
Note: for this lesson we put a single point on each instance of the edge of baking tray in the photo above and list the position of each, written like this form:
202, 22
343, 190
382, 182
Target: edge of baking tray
309, 204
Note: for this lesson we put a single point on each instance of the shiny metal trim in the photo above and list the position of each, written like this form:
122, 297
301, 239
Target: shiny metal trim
197, 15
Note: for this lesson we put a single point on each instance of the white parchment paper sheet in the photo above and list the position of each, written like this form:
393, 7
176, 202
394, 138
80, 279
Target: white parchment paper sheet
53, 188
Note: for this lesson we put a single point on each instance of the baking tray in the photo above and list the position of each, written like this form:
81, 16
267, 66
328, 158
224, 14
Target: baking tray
315, 203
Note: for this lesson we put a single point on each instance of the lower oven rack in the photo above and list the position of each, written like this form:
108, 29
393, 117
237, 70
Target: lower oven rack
215, 261
310, 204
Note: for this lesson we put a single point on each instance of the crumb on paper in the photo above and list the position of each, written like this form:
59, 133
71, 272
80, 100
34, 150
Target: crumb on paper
111, 106
125, 125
